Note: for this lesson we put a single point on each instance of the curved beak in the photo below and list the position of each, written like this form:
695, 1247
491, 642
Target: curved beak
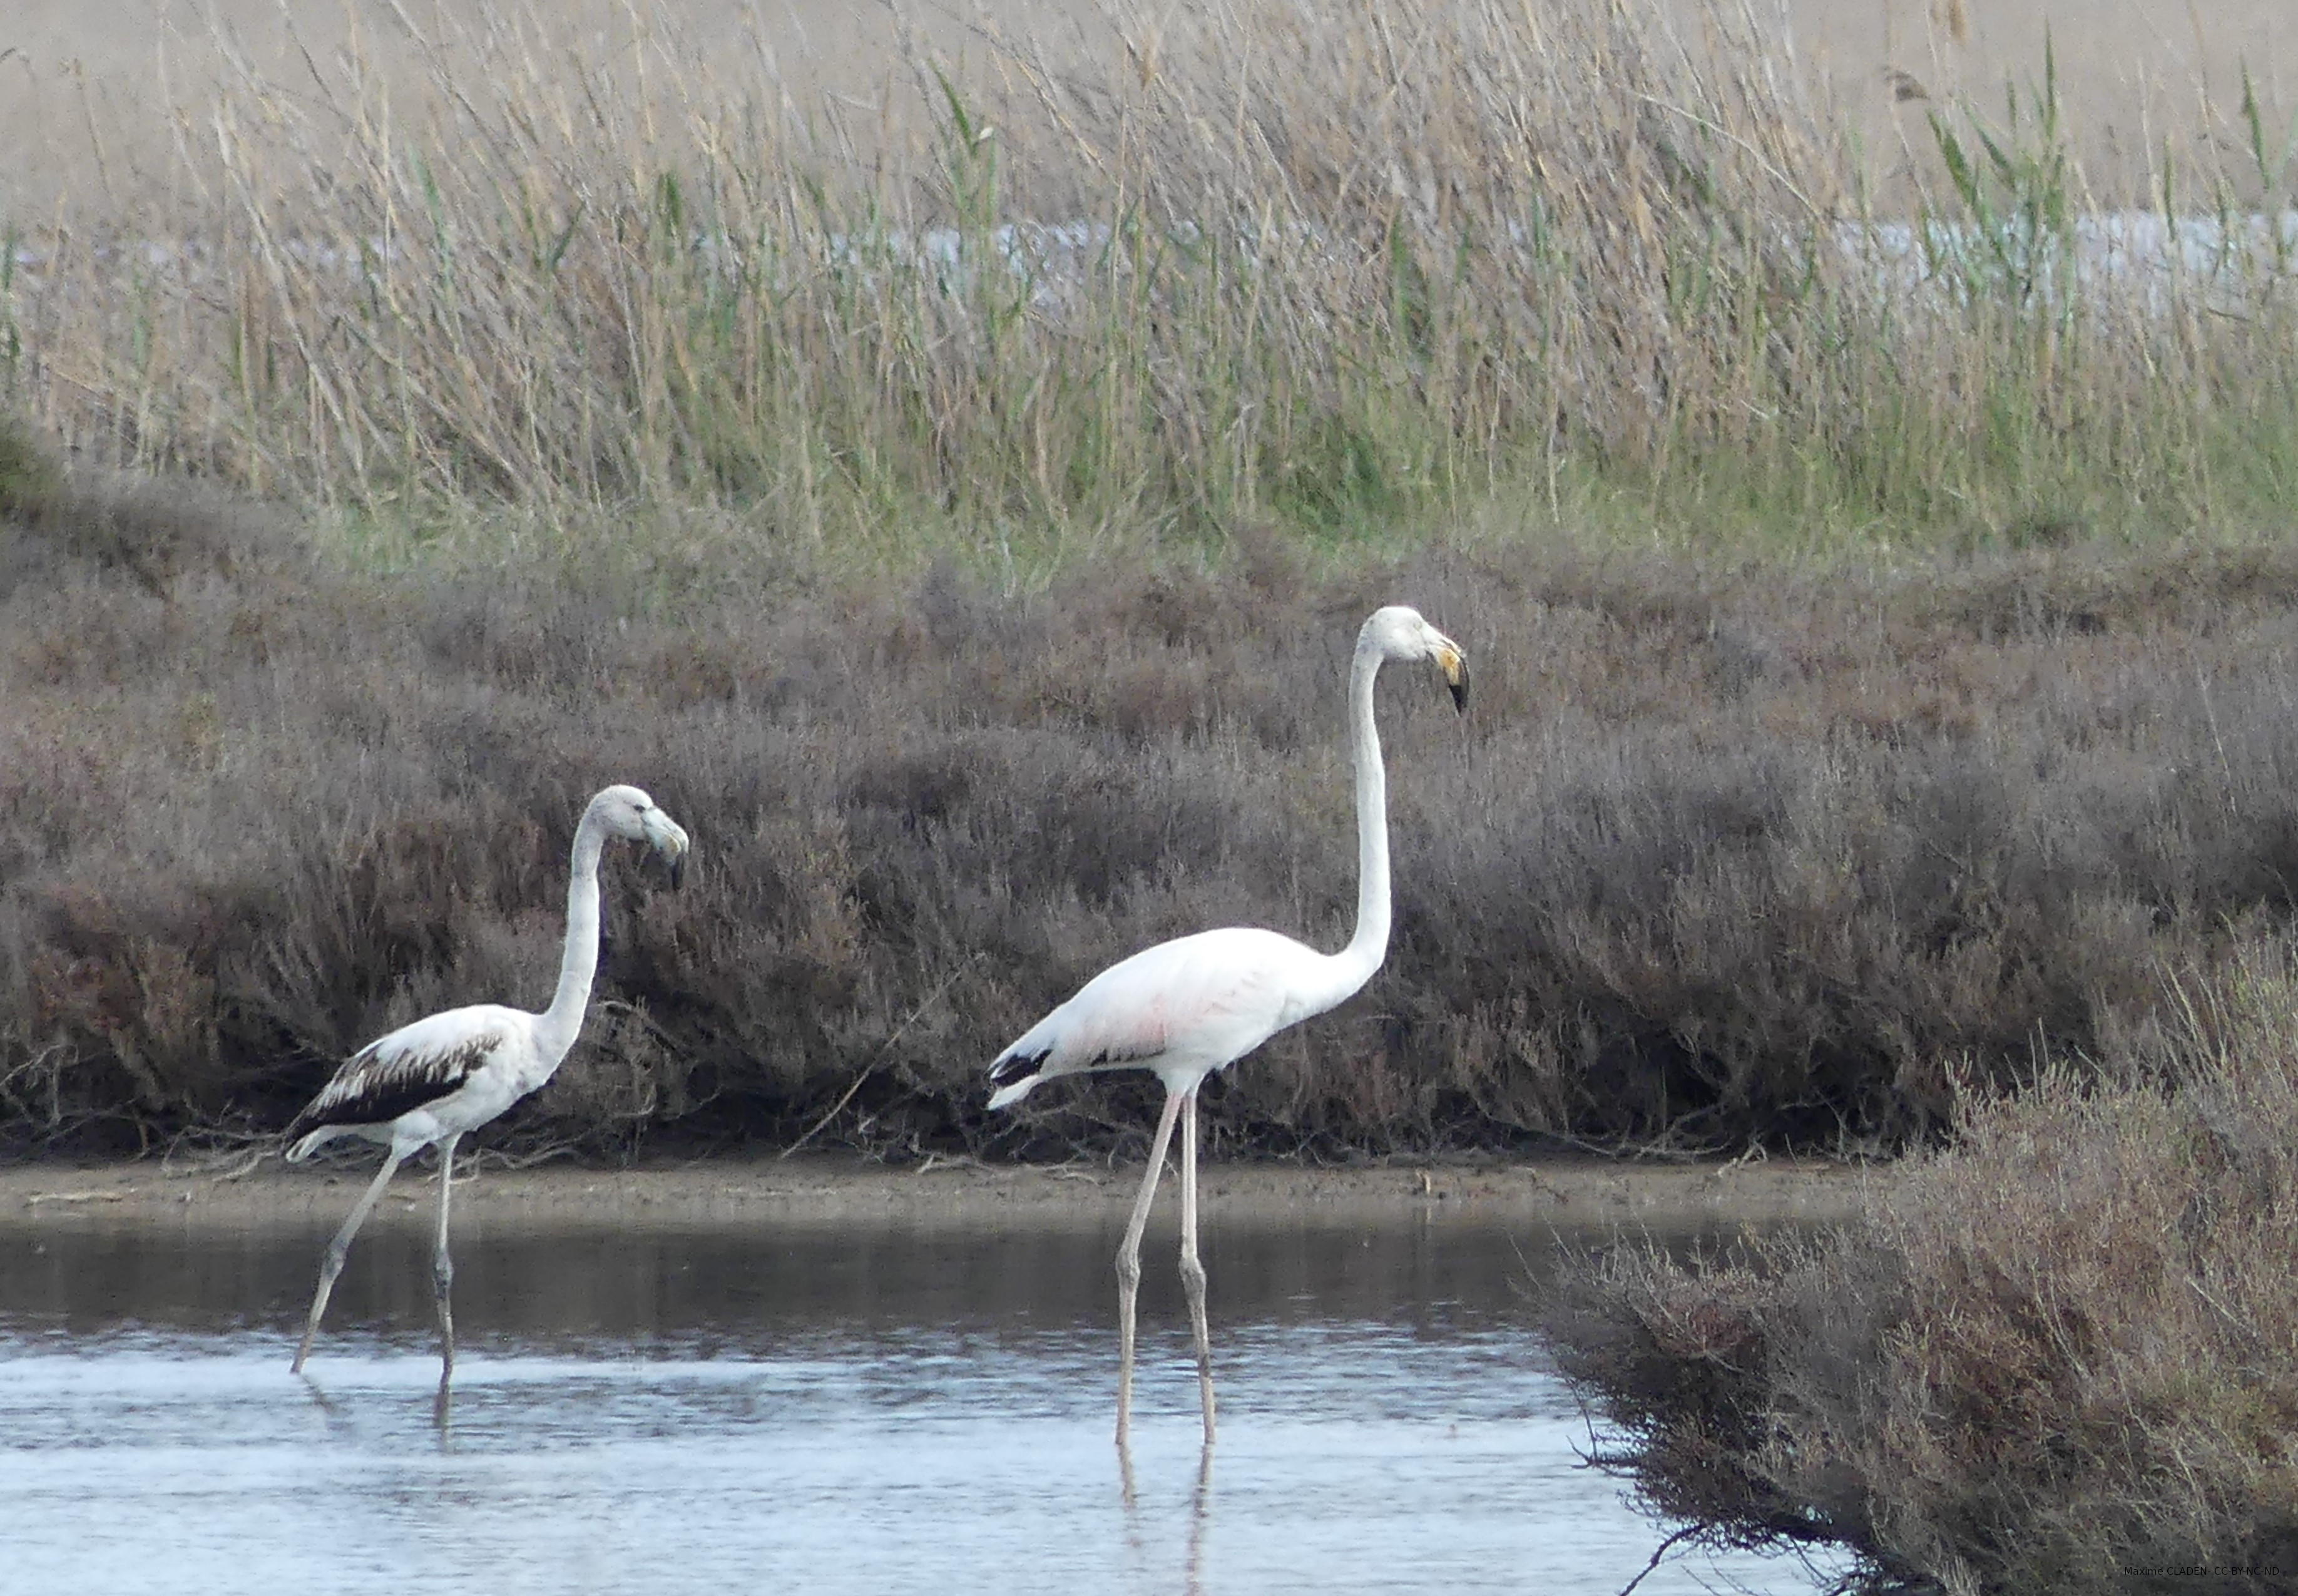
1455, 667
669, 839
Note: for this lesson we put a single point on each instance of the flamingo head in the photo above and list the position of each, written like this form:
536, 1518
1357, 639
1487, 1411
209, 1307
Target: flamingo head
629, 812
1398, 632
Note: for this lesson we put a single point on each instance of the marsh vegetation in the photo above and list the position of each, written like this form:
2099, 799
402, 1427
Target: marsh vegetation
1632, 268
1872, 528
1722, 857
1013, 457
1879, 570
2056, 1356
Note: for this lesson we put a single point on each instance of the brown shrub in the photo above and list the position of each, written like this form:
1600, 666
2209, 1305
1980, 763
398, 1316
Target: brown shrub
2059, 1356
1719, 854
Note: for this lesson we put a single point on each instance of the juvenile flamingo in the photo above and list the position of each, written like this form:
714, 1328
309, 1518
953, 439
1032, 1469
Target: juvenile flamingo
427, 1084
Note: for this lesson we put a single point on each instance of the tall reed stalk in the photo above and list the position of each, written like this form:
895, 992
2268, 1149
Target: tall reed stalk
1331, 268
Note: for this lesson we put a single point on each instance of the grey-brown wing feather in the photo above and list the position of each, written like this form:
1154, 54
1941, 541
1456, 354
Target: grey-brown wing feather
380, 1082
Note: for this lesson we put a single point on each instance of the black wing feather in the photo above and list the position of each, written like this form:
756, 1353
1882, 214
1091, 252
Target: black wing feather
371, 1089
1014, 1065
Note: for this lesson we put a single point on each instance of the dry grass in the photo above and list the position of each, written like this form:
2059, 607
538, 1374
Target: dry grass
2144, 70
1617, 262
1720, 854
2058, 1357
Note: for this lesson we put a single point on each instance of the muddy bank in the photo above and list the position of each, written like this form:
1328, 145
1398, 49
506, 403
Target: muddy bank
960, 1193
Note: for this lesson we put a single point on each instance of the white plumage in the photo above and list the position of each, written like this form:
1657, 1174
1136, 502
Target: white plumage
1188, 1007
432, 1082
1183, 1008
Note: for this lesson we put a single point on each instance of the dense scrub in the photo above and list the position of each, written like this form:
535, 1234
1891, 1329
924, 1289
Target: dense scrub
1717, 856
2063, 1356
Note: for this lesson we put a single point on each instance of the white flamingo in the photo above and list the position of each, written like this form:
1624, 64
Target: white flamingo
428, 1083
1188, 1007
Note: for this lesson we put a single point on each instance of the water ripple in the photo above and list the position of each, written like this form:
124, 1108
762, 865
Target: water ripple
947, 1441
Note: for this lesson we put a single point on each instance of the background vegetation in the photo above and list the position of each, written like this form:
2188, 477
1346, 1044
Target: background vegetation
1720, 854
1873, 560
1625, 266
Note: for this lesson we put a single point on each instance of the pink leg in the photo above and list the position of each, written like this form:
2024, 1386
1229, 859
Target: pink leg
1128, 1264
1193, 1271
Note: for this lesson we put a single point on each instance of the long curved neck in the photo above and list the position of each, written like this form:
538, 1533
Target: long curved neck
1354, 964
562, 1022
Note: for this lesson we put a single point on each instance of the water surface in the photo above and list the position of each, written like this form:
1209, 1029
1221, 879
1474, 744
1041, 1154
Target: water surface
876, 1408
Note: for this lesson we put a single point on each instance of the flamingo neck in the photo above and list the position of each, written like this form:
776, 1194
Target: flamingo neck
560, 1023
1354, 964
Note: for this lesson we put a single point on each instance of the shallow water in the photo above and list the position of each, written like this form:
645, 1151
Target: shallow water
874, 1409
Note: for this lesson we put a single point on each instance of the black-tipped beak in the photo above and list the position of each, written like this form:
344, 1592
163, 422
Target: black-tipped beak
670, 840
1455, 666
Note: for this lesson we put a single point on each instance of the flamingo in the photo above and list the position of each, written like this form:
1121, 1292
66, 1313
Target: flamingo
429, 1083
1195, 1005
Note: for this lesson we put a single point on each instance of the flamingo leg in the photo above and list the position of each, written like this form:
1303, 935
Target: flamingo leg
443, 1268
1192, 1270
340, 1248
1128, 1264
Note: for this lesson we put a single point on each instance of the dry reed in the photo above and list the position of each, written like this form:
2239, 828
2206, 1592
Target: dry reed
1333, 268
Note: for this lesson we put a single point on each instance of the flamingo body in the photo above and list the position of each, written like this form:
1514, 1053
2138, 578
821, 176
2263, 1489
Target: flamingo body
1186, 1008
432, 1082
1182, 1009
445, 1074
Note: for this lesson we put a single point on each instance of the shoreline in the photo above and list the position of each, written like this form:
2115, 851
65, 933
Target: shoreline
832, 1190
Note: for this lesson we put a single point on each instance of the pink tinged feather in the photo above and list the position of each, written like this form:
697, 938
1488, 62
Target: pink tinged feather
1183, 1008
